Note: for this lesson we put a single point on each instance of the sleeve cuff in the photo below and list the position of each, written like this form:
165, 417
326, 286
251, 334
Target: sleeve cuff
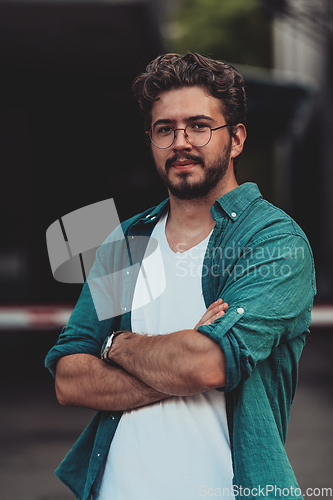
220, 332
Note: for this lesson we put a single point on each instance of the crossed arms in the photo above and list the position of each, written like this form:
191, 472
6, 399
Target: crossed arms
146, 369
150, 369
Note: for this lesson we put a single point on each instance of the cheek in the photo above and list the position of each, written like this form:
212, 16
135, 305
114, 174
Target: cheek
153, 154
159, 157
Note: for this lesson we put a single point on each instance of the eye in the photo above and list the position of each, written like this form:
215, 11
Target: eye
199, 127
163, 130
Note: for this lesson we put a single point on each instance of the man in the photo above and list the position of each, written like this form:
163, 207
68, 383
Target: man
193, 392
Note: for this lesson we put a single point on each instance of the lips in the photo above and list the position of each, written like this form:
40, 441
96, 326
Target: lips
184, 163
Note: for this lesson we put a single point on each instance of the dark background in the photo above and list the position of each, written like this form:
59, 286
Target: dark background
71, 135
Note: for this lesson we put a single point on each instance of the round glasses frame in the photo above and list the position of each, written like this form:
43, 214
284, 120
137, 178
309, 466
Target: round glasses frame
149, 133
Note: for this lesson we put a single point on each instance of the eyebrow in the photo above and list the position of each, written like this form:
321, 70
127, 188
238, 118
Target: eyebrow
189, 119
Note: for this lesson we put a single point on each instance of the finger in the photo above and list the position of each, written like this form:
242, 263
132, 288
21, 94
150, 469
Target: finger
212, 312
218, 302
221, 306
214, 317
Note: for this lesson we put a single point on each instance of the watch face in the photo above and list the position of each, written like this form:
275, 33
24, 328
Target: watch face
107, 348
108, 345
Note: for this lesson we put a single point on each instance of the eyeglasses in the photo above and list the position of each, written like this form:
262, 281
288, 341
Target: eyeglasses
197, 134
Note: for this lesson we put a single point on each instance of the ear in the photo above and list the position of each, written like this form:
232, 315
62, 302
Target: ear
238, 140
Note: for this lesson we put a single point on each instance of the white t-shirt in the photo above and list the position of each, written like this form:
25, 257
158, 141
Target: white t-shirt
177, 448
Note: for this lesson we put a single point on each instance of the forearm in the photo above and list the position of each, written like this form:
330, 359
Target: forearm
181, 363
87, 381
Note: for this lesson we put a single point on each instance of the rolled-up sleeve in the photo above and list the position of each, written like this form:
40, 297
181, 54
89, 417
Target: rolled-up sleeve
270, 291
97, 311
84, 333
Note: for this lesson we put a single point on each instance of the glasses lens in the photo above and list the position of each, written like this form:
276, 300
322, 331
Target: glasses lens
198, 134
162, 136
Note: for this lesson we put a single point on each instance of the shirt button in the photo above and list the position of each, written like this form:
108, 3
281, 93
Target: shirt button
240, 310
112, 417
233, 214
98, 454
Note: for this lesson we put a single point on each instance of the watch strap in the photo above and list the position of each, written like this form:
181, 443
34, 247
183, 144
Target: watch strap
107, 346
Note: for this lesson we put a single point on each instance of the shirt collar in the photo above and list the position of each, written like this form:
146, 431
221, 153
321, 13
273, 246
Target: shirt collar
236, 201
156, 212
232, 203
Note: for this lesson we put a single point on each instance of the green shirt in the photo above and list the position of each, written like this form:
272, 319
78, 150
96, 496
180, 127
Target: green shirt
260, 262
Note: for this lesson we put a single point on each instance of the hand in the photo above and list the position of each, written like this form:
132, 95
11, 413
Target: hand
214, 311
181, 363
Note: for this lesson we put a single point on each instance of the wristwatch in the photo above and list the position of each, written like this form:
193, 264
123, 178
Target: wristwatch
107, 346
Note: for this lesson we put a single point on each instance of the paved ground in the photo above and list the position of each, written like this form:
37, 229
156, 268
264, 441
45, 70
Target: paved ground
36, 432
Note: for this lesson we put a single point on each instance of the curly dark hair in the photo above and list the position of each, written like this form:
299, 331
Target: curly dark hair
171, 71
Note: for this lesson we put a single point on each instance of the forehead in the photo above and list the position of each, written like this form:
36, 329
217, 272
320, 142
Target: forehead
179, 104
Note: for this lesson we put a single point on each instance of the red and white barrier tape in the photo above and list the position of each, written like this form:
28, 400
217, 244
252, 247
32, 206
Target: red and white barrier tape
34, 317
50, 317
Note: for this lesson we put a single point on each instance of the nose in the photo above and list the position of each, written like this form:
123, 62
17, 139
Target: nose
180, 141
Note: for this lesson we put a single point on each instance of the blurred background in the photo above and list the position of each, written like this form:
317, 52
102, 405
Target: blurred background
71, 135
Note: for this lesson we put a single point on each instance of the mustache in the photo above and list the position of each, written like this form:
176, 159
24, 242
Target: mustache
182, 156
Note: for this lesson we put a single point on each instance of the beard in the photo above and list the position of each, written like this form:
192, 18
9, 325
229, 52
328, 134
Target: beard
186, 189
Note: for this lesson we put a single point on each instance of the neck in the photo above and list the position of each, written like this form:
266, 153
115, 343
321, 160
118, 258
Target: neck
190, 221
